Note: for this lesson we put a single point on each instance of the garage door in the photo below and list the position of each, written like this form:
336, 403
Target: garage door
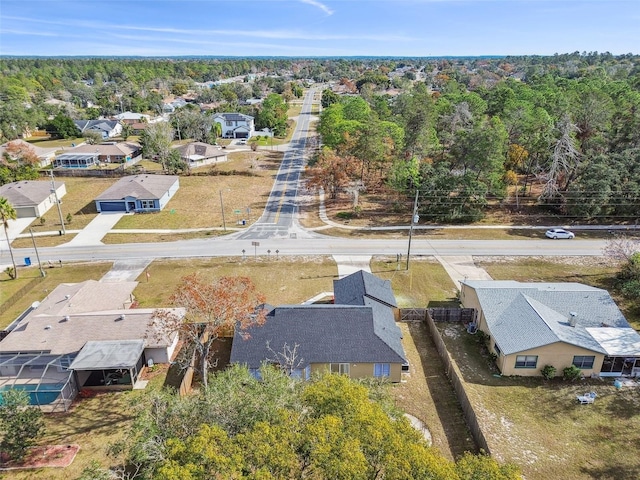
24, 212
242, 134
113, 207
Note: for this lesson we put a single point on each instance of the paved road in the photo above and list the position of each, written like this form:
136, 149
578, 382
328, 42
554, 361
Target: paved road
279, 217
227, 246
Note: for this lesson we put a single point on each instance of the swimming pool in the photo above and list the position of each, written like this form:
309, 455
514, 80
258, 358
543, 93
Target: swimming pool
46, 394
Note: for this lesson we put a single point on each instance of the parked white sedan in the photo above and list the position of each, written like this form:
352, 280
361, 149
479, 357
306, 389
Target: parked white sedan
559, 233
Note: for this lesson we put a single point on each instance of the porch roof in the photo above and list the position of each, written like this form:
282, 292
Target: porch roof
108, 354
617, 342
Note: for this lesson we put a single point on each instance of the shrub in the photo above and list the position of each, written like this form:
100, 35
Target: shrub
43, 220
69, 217
571, 373
548, 372
345, 215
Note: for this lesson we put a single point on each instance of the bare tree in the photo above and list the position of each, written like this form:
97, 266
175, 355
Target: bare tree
621, 247
287, 358
212, 309
564, 160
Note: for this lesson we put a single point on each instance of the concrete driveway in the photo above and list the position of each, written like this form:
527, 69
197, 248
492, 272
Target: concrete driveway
93, 233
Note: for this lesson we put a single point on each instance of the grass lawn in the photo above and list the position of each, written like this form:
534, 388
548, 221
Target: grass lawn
78, 202
93, 423
539, 424
36, 288
60, 143
425, 284
288, 280
426, 393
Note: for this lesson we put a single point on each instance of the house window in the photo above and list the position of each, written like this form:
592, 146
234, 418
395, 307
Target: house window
341, 368
526, 361
229, 124
496, 349
381, 369
584, 361
147, 204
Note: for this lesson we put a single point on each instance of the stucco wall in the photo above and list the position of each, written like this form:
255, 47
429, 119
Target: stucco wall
361, 370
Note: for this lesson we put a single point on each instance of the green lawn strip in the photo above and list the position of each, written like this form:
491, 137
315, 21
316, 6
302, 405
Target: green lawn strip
425, 284
539, 424
123, 237
286, 280
37, 289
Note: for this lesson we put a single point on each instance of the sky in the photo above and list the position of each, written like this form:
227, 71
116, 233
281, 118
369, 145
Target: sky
305, 28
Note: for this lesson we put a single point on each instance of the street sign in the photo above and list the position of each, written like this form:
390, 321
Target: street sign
237, 212
255, 244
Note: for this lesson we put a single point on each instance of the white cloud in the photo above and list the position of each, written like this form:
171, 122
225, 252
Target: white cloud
319, 5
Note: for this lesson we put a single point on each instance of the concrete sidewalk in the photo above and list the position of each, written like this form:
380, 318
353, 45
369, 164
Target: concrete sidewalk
462, 268
348, 264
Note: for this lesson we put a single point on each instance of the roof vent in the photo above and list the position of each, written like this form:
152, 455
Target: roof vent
66, 318
573, 319
48, 327
121, 317
67, 297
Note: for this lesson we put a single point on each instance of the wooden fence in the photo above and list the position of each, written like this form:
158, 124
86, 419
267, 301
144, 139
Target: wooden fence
454, 376
464, 315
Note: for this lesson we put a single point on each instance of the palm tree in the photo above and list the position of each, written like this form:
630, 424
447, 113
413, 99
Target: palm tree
7, 212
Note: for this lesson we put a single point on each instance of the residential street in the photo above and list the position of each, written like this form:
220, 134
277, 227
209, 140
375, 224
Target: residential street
278, 230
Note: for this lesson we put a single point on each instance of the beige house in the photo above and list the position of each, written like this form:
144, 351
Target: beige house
198, 154
45, 155
356, 336
32, 198
82, 335
531, 325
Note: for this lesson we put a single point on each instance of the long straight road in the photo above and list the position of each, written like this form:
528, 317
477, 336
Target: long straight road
279, 215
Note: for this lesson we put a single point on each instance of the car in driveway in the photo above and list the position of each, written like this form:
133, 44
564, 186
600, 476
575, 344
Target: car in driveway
556, 233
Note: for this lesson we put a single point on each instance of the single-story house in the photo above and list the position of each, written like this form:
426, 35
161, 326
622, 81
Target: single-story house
358, 338
32, 198
81, 335
108, 152
77, 160
235, 125
45, 155
531, 325
107, 128
138, 193
197, 154
131, 117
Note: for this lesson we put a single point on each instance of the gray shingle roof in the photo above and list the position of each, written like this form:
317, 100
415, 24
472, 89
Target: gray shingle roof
27, 192
352, 289
324, 334
522, 316
146, 187
104, 125
359, 327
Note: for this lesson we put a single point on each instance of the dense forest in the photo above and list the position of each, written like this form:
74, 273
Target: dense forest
465, 132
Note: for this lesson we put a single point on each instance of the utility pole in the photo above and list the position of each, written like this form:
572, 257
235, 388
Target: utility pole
55, 194
37, 254
414, 220
224, 223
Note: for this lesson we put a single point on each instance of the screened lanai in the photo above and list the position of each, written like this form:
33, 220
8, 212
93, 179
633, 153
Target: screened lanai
46, 378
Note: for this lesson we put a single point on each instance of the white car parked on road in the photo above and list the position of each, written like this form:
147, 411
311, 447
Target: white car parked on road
559, 233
